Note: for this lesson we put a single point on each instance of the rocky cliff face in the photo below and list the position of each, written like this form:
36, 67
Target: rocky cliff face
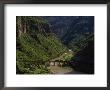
31, 25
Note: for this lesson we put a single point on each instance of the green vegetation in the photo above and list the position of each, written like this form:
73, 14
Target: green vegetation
80, 42
35, 45
67, 56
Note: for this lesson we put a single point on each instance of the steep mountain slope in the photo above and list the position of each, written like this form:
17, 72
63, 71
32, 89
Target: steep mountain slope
84, 60
60, 24
35, 45
40, 39
72, 29
77, 33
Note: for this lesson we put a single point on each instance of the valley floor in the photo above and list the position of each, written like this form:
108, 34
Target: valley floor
63, 70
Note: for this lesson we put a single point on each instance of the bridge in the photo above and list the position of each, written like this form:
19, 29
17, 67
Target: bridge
60, 61
57, 62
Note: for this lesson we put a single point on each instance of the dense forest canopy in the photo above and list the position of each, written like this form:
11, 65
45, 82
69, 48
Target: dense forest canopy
39, 39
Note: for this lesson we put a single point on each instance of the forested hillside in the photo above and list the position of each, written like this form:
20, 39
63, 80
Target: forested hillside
84, 59
72, 30
54, 44
35, 45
